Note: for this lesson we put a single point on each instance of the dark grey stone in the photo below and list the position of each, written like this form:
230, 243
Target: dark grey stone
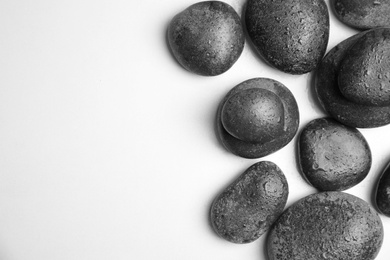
332, 156
334, 102
363, 14
292, 35
328, 225
207, 38
382, 192
247, 208
364, 75
285, 128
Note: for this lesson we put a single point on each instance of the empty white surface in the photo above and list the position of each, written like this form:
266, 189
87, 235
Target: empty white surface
107, 146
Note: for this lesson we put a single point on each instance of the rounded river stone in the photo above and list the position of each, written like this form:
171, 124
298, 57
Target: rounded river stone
363, 14
207, 38
275, 129
247, 208
253, 115
334, 102
382, 192
327, 225
291, 35
332, 156
364, 75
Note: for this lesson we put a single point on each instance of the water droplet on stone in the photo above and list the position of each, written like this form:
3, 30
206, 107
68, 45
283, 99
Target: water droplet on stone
315, 166
325, 255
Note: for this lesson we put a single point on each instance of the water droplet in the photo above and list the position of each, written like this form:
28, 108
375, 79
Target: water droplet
315, 166
377, 3
379, 76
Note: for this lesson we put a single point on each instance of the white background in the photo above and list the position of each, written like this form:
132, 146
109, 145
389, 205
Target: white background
107, 145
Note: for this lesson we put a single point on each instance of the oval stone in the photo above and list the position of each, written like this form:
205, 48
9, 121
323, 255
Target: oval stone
364, 75
291, 35
332, 156
247, 208
253, 115
334, 102
254, 90
327, 225
382, 192
207, 38
363, 14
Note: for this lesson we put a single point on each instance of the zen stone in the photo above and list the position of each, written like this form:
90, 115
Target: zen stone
364, 75
382, 192
330, 96
257, 117
247, 208
207, 38
332, 156
291, 35
327, 225
363, 14
253, 115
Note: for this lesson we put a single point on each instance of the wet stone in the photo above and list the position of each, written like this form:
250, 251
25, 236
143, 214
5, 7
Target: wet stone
332, 156
257, 117
253, 115
362, 75
206, 38
367, 107
363, 14
291, 35
246, 209
326, 225
382, 192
